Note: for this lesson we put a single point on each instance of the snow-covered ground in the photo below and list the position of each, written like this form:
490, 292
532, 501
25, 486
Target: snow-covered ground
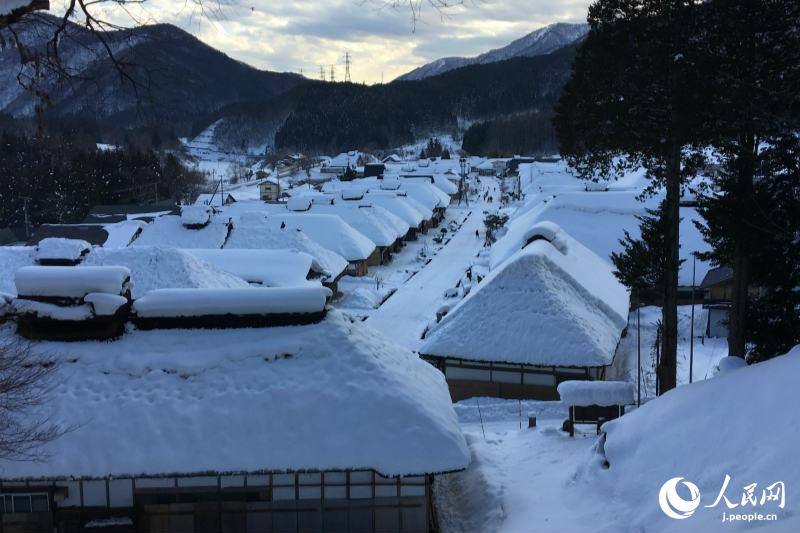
525, 480
409, 311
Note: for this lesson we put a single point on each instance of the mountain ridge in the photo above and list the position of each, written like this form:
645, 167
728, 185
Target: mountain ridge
538, 42
179, 77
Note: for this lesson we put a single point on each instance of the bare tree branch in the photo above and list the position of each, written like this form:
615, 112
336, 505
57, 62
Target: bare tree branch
25, 384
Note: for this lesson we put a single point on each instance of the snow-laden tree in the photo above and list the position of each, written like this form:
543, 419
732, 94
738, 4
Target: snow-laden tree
634, 100
752, 50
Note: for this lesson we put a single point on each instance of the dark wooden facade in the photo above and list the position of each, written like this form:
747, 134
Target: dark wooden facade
338, 502
468, 379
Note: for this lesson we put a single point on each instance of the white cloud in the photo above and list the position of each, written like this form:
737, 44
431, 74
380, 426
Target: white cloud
289, 35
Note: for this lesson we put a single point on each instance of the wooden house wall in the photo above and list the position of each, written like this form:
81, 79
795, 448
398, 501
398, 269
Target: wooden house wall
468, 379
341, 502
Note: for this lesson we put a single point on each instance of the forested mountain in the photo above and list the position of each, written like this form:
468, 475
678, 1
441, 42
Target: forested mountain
538, 42
328, 117
184, 85
178, 77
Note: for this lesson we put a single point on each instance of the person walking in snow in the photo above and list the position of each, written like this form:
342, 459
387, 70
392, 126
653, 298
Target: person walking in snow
477, 234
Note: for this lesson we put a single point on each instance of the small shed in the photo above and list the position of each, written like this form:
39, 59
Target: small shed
269, 190
717, 284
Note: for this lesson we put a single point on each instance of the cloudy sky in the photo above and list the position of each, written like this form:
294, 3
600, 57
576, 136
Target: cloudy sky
290, 35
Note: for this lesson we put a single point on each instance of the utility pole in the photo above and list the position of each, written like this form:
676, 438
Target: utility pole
25, 200
691, 336
322, 73
333, 73
638, 350
347, 60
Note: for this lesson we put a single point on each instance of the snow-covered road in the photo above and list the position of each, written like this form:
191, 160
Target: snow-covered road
404, 316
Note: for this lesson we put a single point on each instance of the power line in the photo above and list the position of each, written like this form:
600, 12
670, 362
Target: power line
347, 59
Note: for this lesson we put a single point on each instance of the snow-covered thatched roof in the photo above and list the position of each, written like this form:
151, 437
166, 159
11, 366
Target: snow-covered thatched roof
552, 303
397, 205
170, 230
329, 231
333, 395
155, 267
251, 231
380, 226
270, 268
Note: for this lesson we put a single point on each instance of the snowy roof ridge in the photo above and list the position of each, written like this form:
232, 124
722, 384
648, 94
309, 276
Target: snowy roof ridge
253, 232
329, 231
200, 401
558, 308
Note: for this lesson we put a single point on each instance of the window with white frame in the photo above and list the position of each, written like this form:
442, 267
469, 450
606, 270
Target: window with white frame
24, 503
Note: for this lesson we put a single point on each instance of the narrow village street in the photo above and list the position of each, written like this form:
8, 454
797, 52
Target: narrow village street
404, 316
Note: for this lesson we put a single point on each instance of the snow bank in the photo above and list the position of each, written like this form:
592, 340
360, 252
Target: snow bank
728, 363
333, 395
72, 282
59, 249
196, 216
596, 392
164, 268
271, 268
740, 424
213, 302
541, 307
13, 258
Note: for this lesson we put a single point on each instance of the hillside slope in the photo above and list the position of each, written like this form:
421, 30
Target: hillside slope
330, 117
539, 42
178, 77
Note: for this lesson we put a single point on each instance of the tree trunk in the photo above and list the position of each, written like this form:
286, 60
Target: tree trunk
737, 322
667, 367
